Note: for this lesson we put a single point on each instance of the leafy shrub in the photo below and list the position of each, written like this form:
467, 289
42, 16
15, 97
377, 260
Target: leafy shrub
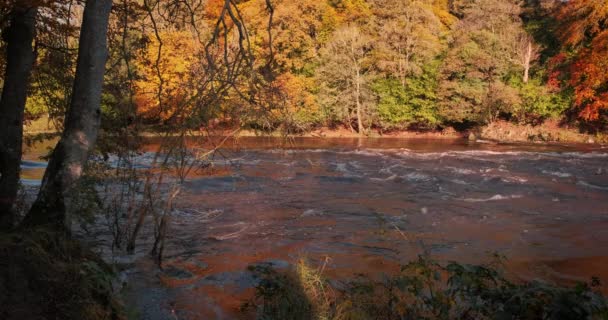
538, 102
425, 289
412, 103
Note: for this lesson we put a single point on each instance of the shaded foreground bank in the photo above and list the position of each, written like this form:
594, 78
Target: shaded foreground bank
423, 289
45, 275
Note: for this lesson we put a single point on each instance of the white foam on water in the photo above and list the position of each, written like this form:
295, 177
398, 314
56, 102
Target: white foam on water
312, 213
489, 153
558, 174
416, 177
198, 215
391, 178
496, 197
355, 164
243, 227
343, 168
409, 154
516, 179
461, 182
462, 171
591, 186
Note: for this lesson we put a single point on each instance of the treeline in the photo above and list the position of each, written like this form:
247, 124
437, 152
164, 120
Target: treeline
296, 65
429, 64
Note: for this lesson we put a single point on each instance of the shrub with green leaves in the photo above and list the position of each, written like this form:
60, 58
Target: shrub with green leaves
538, 103
426, 289
412, 103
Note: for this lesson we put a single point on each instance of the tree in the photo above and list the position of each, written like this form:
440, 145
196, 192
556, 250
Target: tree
164, 87
484, 52
528, 52
584, 29
346, 75
408, 37
19, 36
69, 157
409, 104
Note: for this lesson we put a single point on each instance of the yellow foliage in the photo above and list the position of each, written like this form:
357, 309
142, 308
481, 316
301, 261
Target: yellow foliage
166, 80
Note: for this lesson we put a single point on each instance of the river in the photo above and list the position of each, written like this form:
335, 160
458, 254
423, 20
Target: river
367, 206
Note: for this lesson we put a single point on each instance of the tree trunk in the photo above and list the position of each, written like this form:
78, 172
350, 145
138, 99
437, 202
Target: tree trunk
81, 124
19, 62
358, 98
527, 61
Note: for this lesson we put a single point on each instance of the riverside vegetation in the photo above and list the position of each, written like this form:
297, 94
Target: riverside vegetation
366, 65
106, 71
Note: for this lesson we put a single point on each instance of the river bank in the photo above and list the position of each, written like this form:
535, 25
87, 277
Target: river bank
499, 131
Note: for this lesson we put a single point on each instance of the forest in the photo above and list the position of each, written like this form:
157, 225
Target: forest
107, 77
299, 65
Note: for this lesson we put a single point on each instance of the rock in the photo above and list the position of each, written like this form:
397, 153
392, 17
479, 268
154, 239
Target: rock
472, 137
590, 140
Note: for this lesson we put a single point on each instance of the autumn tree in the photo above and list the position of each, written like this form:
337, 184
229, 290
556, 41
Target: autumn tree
56, 52
346, 76
410, 36
484, 51
584, 29
286, 51
165, 86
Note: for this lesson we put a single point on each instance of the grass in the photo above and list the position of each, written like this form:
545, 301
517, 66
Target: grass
424, 289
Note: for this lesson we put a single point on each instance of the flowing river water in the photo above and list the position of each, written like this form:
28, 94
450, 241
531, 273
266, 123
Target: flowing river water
367, 206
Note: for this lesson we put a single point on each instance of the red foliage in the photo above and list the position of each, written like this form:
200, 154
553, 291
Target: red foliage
590, 78
584, 28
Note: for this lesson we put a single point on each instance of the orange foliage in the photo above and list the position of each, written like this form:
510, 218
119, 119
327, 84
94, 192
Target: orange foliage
584, 26
161, 91
213, 8
590, 78
581, 19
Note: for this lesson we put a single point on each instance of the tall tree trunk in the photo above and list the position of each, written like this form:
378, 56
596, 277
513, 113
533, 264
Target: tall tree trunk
527, 61
19, 62
358, 99
81, 124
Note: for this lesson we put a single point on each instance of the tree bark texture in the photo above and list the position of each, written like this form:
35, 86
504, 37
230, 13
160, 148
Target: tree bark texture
82, 121
19, 36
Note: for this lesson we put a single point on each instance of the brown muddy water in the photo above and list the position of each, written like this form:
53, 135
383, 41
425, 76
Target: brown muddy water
367, 206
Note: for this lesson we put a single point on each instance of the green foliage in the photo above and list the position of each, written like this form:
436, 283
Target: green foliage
35, 107
426, 289
538, 103
411, 104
